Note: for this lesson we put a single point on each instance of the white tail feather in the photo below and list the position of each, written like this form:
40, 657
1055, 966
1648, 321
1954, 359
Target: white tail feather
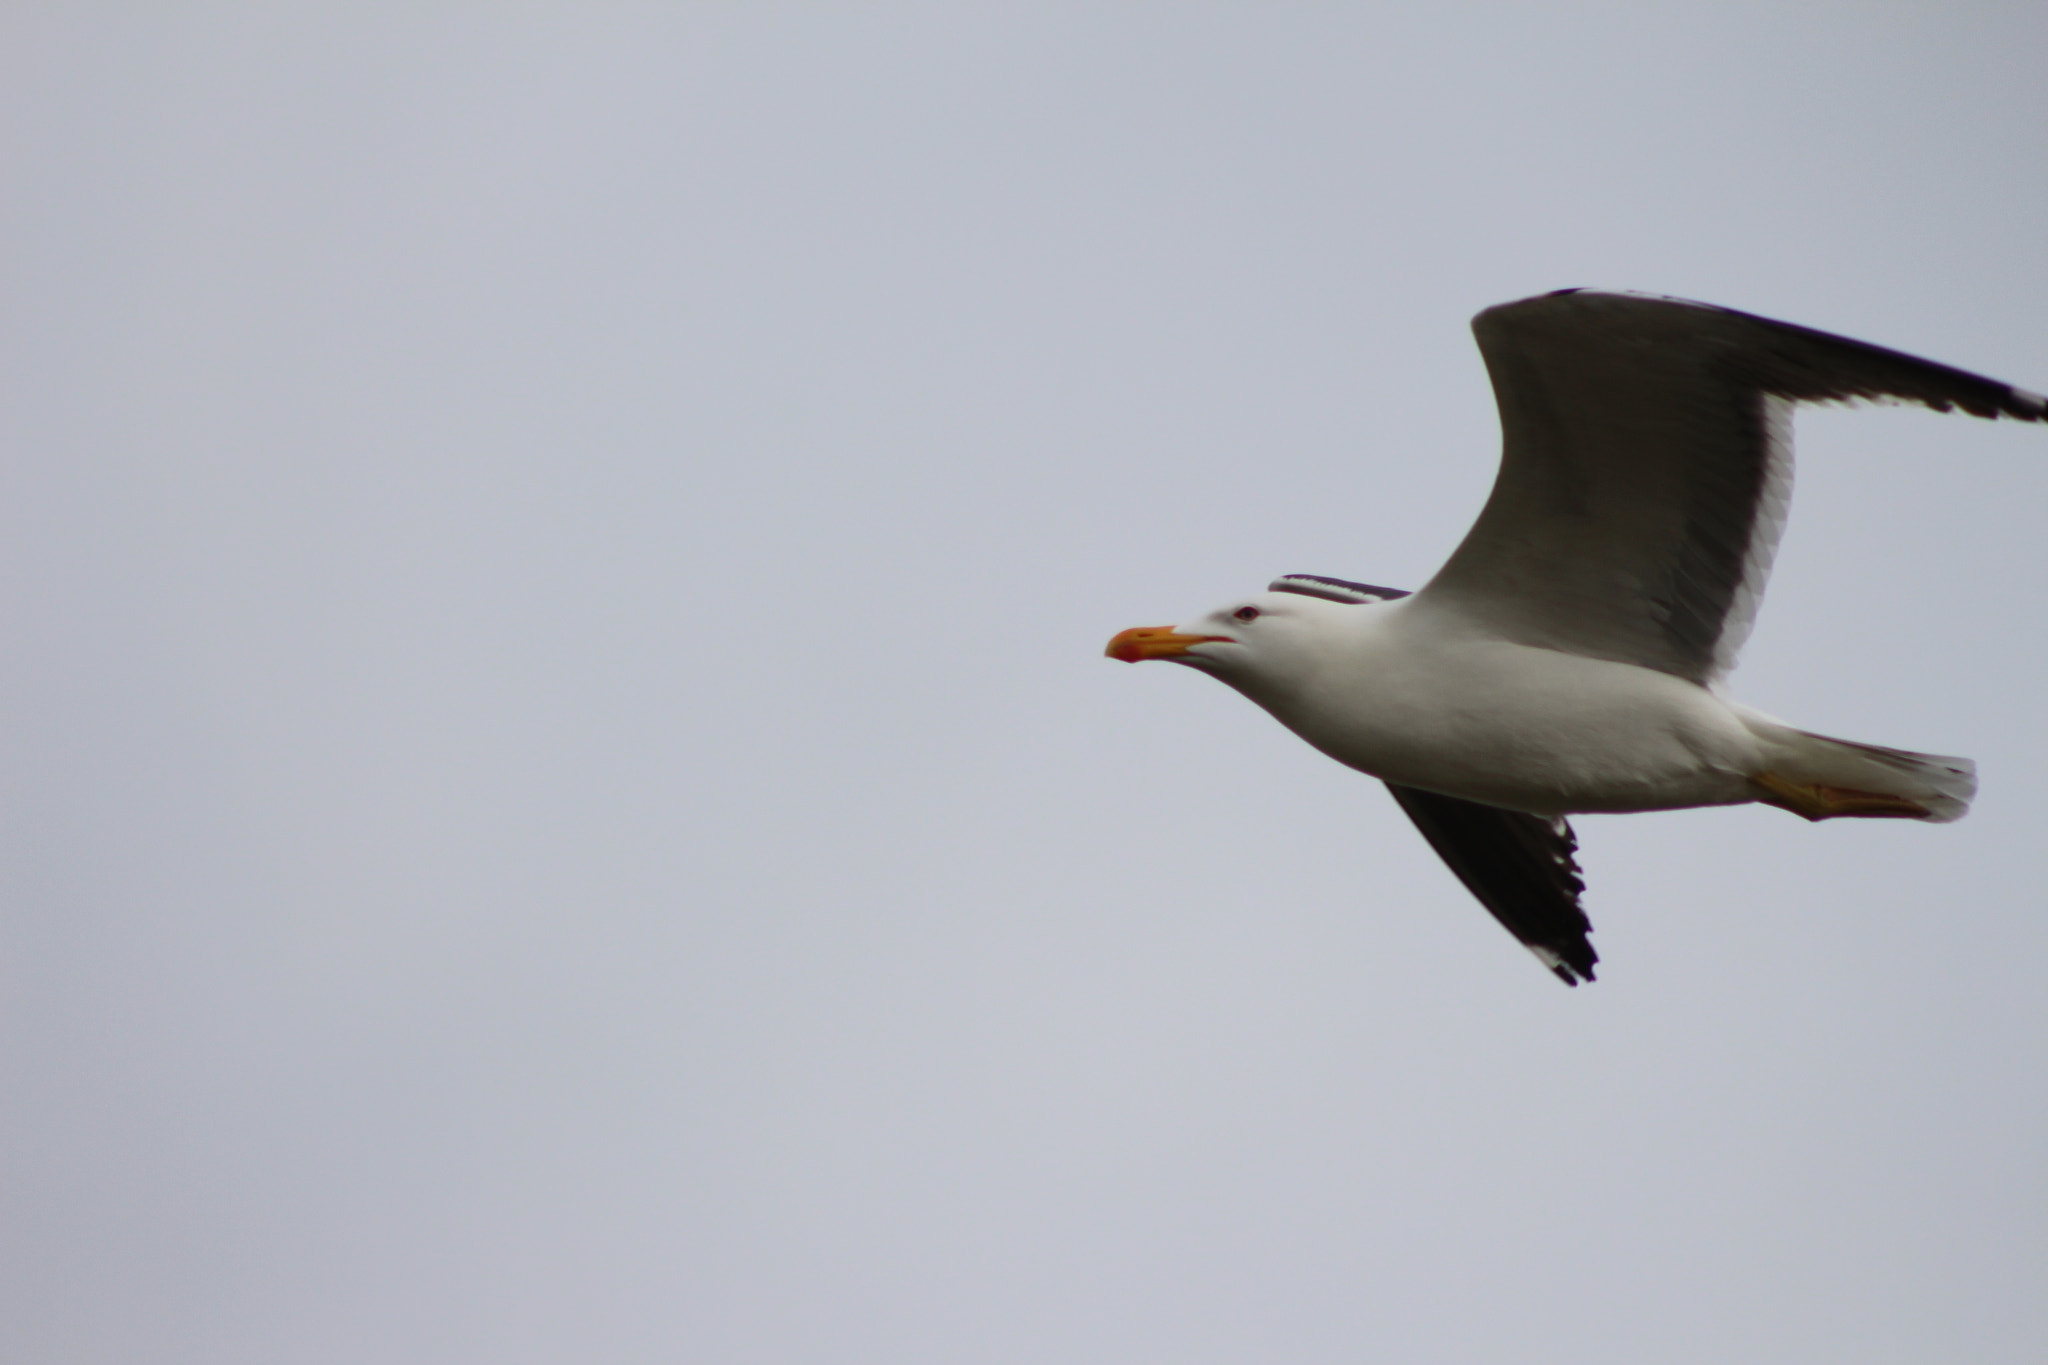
1939, 782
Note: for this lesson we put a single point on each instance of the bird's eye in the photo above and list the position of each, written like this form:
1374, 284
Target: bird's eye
1246, 613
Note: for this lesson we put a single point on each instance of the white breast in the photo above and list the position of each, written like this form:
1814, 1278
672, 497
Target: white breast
1407, 700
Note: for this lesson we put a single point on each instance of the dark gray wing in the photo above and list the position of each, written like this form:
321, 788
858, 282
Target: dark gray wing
1520, 867
1646, 468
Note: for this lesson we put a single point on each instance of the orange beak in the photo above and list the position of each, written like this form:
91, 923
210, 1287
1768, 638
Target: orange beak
1155, 642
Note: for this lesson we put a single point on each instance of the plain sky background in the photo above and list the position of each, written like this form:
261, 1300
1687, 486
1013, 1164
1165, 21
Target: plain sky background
563, 802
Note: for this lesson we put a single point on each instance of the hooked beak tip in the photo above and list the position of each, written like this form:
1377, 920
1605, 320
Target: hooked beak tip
1140, 643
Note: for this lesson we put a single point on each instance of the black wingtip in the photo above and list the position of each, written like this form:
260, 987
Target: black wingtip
1520, 867
1572, 974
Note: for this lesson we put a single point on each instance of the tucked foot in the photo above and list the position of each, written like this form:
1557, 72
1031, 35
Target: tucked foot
1813, 801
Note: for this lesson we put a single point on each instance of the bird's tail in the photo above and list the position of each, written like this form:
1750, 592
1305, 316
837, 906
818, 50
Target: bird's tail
1820, 777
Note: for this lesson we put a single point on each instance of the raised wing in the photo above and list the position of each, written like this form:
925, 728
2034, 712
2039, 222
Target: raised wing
1520, 867
1647, 466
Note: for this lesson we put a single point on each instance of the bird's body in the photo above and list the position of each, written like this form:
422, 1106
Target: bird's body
1397, 691
1569, 657
1407, 693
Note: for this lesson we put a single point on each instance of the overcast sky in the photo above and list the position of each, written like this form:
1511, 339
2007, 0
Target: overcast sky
562, 799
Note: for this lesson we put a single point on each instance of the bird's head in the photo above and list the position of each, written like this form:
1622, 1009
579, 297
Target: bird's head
1263, 643
1266, 636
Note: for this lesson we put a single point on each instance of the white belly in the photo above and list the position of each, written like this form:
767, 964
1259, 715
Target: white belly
1530, 729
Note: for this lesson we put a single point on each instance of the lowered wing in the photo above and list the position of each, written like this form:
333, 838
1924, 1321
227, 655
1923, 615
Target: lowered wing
1520, 867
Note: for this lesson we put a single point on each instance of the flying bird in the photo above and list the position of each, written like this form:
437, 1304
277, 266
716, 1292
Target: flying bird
1569, 656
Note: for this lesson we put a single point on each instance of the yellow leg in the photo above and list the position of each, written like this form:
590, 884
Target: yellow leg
1812, 801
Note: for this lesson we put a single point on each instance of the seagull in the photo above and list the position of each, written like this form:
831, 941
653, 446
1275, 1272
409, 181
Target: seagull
1569, 656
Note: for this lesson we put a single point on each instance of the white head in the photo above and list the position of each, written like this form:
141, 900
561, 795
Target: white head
1263, 644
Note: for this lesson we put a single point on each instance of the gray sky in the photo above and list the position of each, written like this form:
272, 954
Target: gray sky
562, 799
